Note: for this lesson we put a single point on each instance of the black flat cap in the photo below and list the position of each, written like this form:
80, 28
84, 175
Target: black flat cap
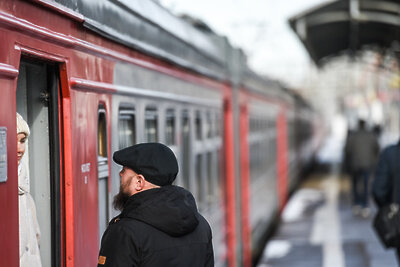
155, 161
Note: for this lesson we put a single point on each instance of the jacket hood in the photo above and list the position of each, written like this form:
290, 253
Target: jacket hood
170, 209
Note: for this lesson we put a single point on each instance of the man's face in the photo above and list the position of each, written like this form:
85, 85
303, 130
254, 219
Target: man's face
127, 175
125, 191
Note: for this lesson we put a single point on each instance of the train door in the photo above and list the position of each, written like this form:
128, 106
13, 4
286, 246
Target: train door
38, 103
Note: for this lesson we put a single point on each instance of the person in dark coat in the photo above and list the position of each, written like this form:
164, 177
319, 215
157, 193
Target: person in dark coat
159, 224
362, 151
387, 179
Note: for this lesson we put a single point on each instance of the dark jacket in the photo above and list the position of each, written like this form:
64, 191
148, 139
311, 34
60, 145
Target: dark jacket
386, 171
158, 227
361, 150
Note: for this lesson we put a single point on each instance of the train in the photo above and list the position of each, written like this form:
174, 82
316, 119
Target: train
92, 77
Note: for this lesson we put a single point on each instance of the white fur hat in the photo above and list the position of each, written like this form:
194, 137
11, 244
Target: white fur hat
22, 126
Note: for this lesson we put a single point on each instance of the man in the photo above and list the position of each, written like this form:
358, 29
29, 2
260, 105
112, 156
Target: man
159, 224
386, 184
362, 150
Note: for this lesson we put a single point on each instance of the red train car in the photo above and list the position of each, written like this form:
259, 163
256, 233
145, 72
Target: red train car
91, 77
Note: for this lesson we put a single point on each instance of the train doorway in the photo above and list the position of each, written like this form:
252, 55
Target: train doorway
102, 165
38, 102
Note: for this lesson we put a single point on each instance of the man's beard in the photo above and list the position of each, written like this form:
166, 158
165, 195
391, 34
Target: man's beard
120, 199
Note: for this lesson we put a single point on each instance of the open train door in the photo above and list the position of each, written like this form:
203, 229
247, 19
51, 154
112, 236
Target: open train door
38, 101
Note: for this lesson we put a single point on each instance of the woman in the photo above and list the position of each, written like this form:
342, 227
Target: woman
29, 233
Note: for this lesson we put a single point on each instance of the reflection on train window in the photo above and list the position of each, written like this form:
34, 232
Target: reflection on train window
185, 148
198, 125
126, 127
151, 128
102, 165
170, 127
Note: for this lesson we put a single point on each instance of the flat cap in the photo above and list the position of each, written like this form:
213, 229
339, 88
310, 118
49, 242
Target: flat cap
155, 161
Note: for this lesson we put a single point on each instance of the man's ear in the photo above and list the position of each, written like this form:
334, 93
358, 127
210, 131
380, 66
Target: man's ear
139, 182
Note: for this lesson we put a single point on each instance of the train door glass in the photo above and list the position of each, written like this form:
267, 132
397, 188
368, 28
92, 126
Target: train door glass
151, 128
38, 103
102, 165
126, 127
185, 148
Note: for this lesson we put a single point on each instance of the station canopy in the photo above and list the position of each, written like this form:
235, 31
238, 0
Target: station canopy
348, 26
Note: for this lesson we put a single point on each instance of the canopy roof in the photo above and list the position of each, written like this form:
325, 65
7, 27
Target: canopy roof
348, 26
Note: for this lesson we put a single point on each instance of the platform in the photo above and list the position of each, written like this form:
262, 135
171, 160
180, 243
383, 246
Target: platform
319, 229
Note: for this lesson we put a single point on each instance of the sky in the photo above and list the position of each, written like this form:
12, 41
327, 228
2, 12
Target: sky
261, 29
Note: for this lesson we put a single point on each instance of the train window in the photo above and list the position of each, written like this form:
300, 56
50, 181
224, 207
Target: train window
102, 165
251, 127
170, 127
209, 130
218, 123
219, 172
185, 148
199, 183
198, 125
126, 127
151, 121
102, 133
210, 177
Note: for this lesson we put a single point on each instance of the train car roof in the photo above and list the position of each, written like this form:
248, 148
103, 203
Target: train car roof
347, 26
266, 86
147, 26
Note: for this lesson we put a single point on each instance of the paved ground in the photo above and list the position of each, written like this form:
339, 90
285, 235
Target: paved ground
318, 229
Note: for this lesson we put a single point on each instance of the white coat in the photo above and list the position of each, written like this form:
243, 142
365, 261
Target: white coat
29, 233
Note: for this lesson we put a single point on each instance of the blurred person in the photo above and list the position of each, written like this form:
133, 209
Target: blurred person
377, 130
387, 179
29, 232
361, 152
346, 161
159, 224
